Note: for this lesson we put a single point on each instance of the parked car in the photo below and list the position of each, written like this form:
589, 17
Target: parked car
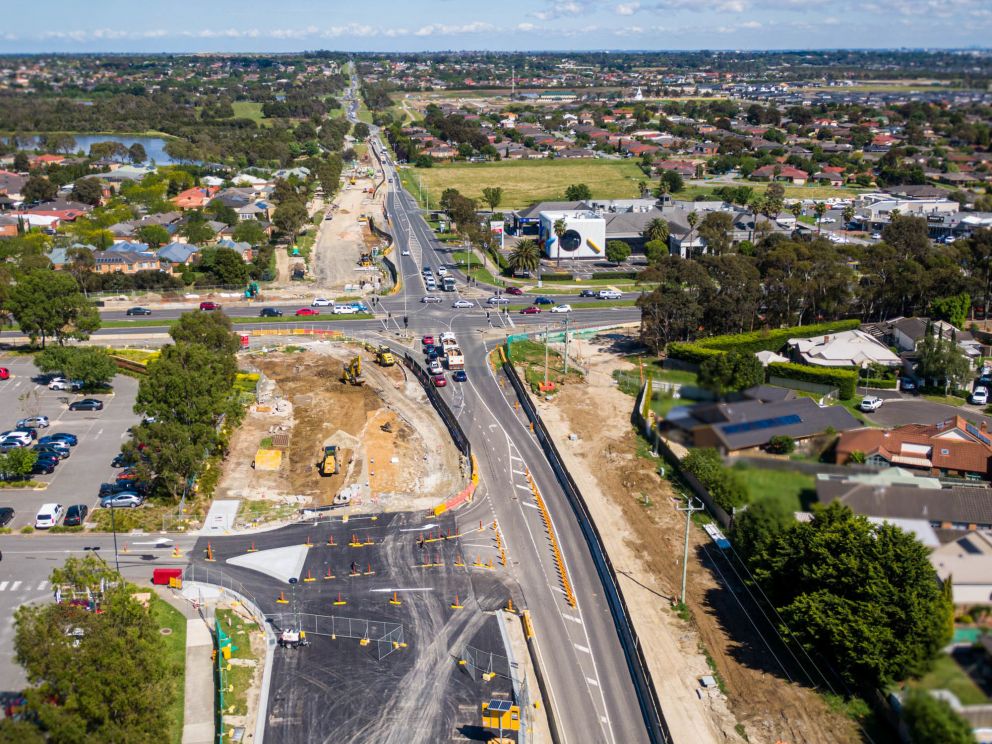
48, 516
6, 515
62, 453
109, 489
439, 381
138, 311
60, 383
270, 312
121, 461
543, 301
870, 403
307, 311
16, 438
907, 384
514, 291
31, 432
980, 396
532, 310
321, 302
561, 309
208, 305
34, 422
609, 294
462, 304
405, 252
86, 404
459, 376
122, 500
43, 467
75, 515
63, 436
587, 293
430, 299
127, 474
4, 373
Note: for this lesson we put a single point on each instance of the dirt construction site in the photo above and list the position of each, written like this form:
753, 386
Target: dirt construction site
634, 509
393, 453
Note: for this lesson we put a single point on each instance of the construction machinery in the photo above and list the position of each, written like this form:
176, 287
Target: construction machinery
365, 260
384, 357
352, 180
353, 372
329, 462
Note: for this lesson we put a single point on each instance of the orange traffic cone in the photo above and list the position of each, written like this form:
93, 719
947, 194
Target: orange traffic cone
395, 600
310, 577
328, 575
282, 598
210, 553
456, 605
253, 549
176, 552
330, 541
339, 602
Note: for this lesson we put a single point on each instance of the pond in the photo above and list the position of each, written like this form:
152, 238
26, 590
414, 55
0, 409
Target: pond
154, 146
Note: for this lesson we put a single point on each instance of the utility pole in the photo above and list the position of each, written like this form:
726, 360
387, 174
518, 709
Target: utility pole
547, 340
690, 508
566, 346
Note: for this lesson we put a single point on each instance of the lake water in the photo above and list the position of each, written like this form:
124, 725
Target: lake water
154, 146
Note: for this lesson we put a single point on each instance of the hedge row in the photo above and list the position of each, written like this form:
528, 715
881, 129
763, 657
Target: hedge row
563, 277
755, 341
845, 380
689, 352
880, 384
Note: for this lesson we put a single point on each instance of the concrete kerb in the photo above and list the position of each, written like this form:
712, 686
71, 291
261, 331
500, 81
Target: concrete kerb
261, 713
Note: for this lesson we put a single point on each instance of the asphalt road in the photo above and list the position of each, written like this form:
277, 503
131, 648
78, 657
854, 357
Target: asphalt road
909, 410
77, 479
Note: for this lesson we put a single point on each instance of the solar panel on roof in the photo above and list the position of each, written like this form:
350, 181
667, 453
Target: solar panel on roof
500, 706
767, 423
973, 430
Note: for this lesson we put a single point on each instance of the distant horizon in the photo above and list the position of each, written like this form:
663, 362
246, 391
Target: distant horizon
398, 26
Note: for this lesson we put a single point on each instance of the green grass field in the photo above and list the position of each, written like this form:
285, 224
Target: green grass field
796, 491
250, 110
948, 675
166, 616
527, 181
691, 191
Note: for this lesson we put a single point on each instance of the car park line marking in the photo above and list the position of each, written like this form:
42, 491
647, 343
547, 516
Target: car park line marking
519, 472
14, 586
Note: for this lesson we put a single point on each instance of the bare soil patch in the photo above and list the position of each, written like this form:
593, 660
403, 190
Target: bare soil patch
646, 542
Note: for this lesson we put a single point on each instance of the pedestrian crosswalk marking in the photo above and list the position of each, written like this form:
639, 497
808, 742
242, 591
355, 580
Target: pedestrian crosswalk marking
3, 585
15, 585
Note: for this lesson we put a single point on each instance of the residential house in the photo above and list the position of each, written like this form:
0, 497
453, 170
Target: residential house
195, 198
907, 333
60, 209
780, 173
954, 447
124, 262
11, 185
243, 249
685, 168
967, 563
845, 349
178, 255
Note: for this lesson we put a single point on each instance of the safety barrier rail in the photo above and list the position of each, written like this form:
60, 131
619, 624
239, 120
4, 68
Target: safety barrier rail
647, 695
446, 414
549, 529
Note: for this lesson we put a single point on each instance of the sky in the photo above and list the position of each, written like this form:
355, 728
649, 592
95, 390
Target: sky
511, 25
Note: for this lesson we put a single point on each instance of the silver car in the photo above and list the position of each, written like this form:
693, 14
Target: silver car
462, 303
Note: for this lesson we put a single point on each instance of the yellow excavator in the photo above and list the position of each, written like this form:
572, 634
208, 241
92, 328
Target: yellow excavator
353, 372
329, 462
384, 357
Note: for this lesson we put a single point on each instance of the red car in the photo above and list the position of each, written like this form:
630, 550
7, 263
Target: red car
4, 373
532, 310
427, 340
209, 306
307, 311
439, 381
514, 290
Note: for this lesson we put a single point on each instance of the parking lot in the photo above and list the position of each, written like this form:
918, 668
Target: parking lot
77, 479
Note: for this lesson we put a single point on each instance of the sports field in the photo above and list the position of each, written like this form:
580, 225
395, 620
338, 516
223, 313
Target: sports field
527, 181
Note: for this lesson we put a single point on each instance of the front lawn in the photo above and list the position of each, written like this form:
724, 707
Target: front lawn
796, 491
947, 674
167, 616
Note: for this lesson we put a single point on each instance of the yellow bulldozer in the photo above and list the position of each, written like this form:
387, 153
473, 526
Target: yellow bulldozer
366, 260
329, 462
385, 357
353, 372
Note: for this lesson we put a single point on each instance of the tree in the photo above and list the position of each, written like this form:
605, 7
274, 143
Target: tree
81, 263
617, 251
655, 250
16, 464
423, 161
848, 215
953, 309
693, 220
560, 227
656, 229
154, 235
781, 444
908, 235
19, 732
48, 303
91, 364
932, 719
819, 209
361, 131
862, 596
289, 217
95, 677
195, 229
732, 371
723, 484
22, 164
941, 361
224, 266
673, 180
797, 209
525, 257
88, 191
715, 230
58, 142
578, 192
210, 329
249, 231
493, 196
754, 529
674, 308
38, 189
136, 153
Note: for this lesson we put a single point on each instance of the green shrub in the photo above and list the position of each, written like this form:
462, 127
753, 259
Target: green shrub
879, 384
844, 380
771, 340
724, 485
557, 277
689, 352
780, 444
27, 529
63, 528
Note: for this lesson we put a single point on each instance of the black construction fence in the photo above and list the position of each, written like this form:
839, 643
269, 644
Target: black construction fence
386, 261
446, 414
647, 695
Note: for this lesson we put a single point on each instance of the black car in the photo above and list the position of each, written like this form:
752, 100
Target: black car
270, 312
543, 301
51, 450
121, 461
587, 293
75, 515
138, 311
44, 467
86, 404
108, 489
63, 436
6, 514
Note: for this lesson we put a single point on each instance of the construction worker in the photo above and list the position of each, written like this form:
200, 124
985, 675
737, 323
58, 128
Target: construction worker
354, 567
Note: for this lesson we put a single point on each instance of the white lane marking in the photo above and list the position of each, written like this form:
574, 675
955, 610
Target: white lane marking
523, 488
3, 585
410, 589
532, 506
583, 649
519, 472
42, 585
591, 681
417, 529
14, 586
572, 618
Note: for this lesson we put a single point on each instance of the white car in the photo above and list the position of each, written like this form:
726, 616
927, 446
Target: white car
35, 422
48, 516
980, 396
15, 439
870, 403
60, 383
609, 294
435, 367
320, 302
462, 304
561, 309
498, 301
344, 310
442, 271
430, 299
405, 252
828, 220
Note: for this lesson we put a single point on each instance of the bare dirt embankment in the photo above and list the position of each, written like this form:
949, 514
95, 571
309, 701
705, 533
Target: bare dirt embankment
645, 544
394, 452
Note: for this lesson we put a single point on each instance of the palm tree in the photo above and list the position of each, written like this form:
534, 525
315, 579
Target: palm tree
560, 227
797, 209
848, 215
656, 229
754, 205
525, 256
820, 209
693, 220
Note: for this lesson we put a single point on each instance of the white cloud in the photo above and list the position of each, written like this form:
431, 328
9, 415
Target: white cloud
626, 9
526, 27
562, 8
749, 24
442, 29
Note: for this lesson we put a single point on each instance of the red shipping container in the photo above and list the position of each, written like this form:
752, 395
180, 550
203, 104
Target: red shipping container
162, 575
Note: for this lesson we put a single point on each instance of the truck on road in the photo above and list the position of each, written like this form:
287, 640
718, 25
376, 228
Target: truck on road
449, 283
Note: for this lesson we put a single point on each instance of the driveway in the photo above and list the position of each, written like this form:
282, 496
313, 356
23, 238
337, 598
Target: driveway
900, 411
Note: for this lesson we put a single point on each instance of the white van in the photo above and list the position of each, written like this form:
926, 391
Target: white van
48, 516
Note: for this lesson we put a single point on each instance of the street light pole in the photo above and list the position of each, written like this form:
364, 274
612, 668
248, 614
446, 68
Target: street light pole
689, 508
113, 527
547, 340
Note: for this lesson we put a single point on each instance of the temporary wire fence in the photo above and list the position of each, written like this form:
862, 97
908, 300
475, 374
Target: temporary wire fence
388, 637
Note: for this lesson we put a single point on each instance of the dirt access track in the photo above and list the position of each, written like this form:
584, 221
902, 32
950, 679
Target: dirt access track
645, 544
394, 453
